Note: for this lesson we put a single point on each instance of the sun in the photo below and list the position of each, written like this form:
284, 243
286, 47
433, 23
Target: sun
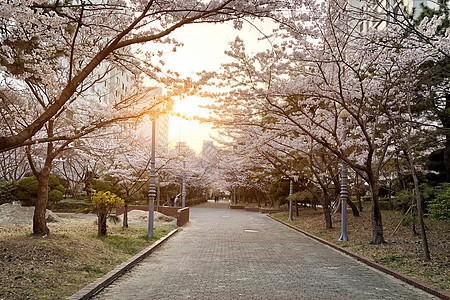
189, 107
184, 127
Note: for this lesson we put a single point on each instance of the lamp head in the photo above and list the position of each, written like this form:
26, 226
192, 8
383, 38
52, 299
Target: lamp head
344, 114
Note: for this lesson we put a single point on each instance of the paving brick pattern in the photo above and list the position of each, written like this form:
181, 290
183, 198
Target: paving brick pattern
234, 254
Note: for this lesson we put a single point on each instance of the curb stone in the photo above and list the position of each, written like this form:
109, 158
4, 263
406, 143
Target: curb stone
93, 288
412, 281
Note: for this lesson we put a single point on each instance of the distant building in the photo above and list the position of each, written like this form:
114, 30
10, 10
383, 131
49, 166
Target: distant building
393, 6
162, 132
183, 149
162, 126
209, 151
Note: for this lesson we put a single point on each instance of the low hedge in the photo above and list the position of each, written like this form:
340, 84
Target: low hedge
68, 205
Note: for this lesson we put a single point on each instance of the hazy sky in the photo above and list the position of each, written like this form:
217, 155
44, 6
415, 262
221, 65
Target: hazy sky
204, 46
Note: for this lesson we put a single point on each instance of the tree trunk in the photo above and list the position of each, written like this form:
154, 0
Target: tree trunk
426, 250
258, 201
125, 216
39, 221
358, 192
296, 208
326, 208
101, 224
353, 207
377, 224
358, 199
324, 201
446, 124
327, 214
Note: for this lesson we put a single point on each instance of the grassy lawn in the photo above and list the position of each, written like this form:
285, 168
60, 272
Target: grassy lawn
403, 250
69, 258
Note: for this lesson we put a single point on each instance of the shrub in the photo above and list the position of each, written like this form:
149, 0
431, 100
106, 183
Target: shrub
27, 190
7, 192
102, 203
55, 196
439, 207
68, 205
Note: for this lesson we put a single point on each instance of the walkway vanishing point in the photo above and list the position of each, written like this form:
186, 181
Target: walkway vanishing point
235, 254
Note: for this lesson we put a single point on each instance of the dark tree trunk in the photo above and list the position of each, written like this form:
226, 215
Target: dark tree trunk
446, 124
324, 201
399, 172
296, 208
353, 207
327, 214
358, 192
358, 199
39, 221
426, 250
326, 208
101, 224
377, 224
125, 216
258, 201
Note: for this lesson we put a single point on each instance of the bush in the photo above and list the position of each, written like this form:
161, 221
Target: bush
68, 205
102, 203
7, 192
27, 190
55, 196
439, 207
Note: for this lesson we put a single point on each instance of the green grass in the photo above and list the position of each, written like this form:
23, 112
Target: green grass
93, 269
132, 240
77, 258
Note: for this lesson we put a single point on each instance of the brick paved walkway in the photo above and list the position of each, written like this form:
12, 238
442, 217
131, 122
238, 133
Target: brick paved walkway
233, 254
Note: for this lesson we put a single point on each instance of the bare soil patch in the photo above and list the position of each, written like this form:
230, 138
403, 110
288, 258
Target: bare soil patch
72, 256
402, 251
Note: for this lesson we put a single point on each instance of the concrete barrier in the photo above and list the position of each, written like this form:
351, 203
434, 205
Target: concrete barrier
181, 214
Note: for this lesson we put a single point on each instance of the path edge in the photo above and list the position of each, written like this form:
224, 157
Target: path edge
405, 278
95, 287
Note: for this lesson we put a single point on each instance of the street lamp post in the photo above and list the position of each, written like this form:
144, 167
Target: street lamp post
344, 192
152, 188
290, 200
183, 190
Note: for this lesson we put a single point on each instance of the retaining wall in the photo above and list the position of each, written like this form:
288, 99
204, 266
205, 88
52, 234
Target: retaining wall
181, 214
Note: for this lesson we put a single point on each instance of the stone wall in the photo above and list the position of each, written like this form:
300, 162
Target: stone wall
181, 214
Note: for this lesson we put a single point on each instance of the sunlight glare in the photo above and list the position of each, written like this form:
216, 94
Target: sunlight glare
184, 127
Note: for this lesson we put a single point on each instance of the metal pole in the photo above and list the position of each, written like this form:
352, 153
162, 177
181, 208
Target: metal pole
344, 191
152, 188
290, 201
183, 190
158, 193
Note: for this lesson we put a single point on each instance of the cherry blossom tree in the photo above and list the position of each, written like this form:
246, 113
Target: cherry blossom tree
327, 77
74, 128
56, 46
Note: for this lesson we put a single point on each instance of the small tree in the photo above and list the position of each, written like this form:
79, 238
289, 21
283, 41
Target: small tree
103, 203
7, 192
439, 207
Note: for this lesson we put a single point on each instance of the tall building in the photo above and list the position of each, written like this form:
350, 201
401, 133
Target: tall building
388, 7
183, 148
162, 125
162, 132
209, 151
